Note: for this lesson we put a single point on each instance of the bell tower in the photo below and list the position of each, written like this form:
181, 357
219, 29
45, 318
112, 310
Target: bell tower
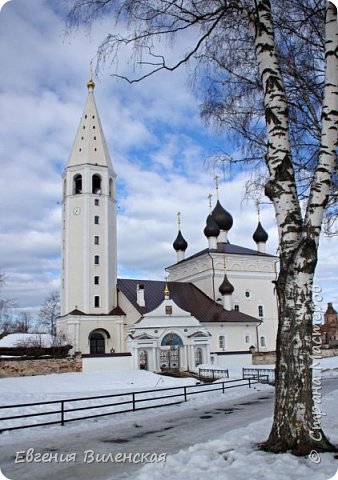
88, 278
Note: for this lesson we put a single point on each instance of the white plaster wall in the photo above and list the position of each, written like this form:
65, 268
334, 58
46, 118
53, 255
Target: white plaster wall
107, 364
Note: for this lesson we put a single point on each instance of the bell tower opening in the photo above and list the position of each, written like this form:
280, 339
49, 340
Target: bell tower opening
96, 184
77, 184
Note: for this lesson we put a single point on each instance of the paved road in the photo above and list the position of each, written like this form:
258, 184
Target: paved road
159, 430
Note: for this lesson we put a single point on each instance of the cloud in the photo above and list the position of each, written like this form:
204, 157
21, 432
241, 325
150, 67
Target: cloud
157, 143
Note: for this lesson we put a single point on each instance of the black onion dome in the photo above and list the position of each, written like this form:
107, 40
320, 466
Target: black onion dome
226, 286
211, 229
223, 218
260, 234
180, 243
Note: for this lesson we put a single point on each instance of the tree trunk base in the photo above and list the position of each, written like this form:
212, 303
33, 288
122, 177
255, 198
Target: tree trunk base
301, 448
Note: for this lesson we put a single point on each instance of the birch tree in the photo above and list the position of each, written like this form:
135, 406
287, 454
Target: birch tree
246, 53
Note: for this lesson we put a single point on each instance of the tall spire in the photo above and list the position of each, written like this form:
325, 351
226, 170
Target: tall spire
90, 147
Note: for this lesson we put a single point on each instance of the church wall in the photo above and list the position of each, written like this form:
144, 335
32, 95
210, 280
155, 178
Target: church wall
234, 337
78, 328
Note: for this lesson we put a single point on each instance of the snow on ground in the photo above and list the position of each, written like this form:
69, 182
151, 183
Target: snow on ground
235, 456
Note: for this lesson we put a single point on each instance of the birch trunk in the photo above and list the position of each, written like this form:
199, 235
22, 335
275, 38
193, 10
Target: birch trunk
296, 426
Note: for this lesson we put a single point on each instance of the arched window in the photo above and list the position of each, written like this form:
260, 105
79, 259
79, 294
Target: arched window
97, 340
64, 187
260, 310
96, 184
171, 339
198, 356
143, 360
97, 343
111, 189
77, 184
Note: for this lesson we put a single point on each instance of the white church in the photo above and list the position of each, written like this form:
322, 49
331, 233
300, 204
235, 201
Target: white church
217, 305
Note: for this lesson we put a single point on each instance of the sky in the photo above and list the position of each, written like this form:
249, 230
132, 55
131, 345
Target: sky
158, 144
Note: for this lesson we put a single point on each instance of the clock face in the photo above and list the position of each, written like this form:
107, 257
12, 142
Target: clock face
77, 211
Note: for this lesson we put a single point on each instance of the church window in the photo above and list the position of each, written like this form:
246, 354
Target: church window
236, 307
96, 184
260, 310
198, 356
93, 117
263, 341
247, 339
96, 301
96, 219
94, 126
110, 187
95, 149
94, 138
79, 149
85, 116
97, 343
221, 342
247, 294
171, 339
96, 280
96, 202
143, 360
77, 184
97, 259
96, 240
64, 189
168, 310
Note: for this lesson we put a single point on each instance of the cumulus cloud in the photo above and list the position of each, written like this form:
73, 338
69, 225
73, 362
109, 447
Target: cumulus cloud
157, 143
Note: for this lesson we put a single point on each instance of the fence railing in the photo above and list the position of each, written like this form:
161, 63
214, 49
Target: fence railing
69, 410
210, 375
262, 375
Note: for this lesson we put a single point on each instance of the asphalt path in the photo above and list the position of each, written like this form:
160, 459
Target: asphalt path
161, 430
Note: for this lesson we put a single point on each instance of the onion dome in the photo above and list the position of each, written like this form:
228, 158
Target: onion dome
211, 229
180, 243
223, 218
226, 287
260, 234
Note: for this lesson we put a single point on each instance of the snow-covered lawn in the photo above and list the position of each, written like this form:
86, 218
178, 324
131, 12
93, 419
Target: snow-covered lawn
233, 456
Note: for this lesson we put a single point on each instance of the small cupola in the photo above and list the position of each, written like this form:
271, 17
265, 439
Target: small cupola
226, 289
211, 230
260, 236
223, 219
180, 244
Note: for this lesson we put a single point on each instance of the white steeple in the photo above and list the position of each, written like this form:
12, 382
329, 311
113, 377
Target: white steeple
89, 220
90, 146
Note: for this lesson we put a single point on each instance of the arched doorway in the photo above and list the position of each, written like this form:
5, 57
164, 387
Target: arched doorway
170, 352
143, 360
198, 356
97, 341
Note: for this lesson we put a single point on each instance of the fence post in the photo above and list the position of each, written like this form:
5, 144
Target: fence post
133, 401
249, 382
62, 413
223, 387
185, 394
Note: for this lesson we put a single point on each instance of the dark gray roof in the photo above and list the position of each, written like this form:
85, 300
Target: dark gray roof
186, 295
231, 249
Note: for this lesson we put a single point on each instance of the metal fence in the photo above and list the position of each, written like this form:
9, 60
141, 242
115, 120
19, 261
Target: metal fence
71, 409
262, 375
210, 375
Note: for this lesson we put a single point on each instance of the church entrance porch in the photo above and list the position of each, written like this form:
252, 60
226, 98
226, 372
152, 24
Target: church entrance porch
170, 359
